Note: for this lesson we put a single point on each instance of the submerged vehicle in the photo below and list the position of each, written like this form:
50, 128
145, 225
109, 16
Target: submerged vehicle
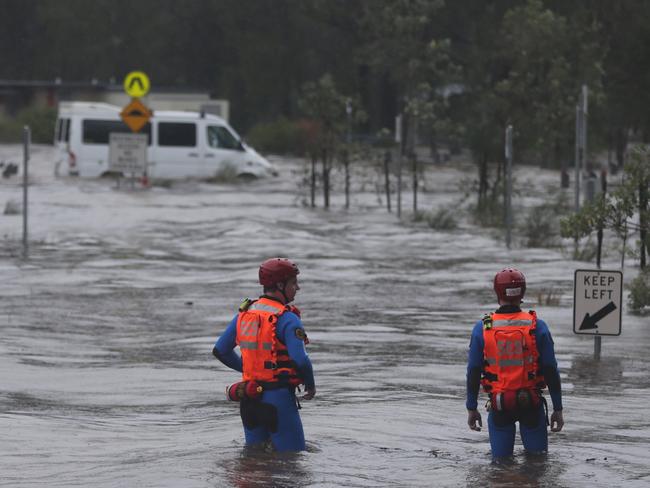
181, 144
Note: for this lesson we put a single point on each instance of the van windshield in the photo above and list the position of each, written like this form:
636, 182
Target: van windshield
96, 131
219, 136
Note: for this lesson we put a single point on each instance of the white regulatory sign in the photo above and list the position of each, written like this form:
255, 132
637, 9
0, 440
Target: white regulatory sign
127, 152
597, 302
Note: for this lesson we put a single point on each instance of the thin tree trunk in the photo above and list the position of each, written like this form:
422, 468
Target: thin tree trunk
313, 180
621, 146
483, 179
387, 158
414, 160
346, 163
326, 179
643, 220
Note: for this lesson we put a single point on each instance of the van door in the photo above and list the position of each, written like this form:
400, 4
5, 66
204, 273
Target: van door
223, 151
176, 153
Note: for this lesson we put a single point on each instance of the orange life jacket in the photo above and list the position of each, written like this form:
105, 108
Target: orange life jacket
510, 355
265, 359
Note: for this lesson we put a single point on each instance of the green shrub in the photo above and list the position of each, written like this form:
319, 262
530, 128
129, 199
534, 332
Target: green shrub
10, 131
542, 225
41, 121
281, 136
489, 213
441, 219
639, 300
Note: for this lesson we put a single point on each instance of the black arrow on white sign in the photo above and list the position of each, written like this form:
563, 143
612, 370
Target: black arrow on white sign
591, 321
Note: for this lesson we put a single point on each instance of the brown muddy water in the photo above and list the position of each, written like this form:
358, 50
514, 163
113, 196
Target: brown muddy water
107, 377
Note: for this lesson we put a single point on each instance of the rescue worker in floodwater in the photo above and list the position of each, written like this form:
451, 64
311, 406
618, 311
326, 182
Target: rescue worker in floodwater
273, 362
511, 354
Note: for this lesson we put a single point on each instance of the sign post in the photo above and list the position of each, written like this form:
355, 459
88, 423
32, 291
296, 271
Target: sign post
128, 152
597, 304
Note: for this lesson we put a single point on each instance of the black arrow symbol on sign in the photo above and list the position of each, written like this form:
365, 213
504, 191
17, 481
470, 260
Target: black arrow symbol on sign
590, 321
138, 81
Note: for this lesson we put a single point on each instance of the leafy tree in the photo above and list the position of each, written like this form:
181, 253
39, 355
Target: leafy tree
322, 102
617, 210
403, 42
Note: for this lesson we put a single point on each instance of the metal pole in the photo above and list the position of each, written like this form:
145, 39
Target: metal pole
585, 117
584, 108
26, 143
577, 156
508, 201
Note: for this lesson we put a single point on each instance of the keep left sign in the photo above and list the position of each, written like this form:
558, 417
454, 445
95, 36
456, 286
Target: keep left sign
597, 302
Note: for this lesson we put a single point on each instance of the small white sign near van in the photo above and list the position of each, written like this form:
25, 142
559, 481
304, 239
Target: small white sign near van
179, 144
127, 153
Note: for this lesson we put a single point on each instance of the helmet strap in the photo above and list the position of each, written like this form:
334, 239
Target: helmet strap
284, 295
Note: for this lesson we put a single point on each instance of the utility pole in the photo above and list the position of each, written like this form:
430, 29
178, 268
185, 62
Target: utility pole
508, 195
27, 137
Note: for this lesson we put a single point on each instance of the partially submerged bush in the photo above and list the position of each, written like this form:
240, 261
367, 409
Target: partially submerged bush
41, 121
541, 228
441, 219
281, 136
489, 213
639, 300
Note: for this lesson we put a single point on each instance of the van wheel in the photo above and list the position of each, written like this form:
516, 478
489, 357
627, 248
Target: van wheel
111, 174
246, 177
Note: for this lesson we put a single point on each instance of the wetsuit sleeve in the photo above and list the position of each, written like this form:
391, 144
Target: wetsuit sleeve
224, 347
474, 366
296, 347
548, 363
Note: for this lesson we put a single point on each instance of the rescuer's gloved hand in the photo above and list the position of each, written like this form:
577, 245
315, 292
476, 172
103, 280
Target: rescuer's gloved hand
557, 421
309, 394
474, 420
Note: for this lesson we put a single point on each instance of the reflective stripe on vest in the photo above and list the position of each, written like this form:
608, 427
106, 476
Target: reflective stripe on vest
512, 323
265, 308
266, 346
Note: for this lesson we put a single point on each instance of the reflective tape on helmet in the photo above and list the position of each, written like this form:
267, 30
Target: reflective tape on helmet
513, 292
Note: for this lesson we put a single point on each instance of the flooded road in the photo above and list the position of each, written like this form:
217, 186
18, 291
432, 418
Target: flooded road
107, 377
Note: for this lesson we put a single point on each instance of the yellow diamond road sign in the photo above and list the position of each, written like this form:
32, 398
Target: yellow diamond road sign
136, 115
136, 84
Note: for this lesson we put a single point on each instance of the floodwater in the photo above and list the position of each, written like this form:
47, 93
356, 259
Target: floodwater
106, 372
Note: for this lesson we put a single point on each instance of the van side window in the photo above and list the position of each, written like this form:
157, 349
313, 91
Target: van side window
66, 130
221, 137
62, 130
181, 134
97, 131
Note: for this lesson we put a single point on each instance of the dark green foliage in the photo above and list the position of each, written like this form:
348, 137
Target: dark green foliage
639, 299
440, 219
541, 227
40, 120
281, 136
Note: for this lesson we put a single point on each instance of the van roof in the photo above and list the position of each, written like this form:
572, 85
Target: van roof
99, 109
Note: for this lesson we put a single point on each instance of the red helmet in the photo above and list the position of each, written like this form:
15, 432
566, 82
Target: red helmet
510, 285
276, 270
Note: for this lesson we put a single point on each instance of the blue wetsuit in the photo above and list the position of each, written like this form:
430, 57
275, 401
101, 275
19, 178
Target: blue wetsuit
288, 434
532, 429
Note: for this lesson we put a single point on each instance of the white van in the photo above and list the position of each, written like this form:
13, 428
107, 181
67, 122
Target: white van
181, 144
